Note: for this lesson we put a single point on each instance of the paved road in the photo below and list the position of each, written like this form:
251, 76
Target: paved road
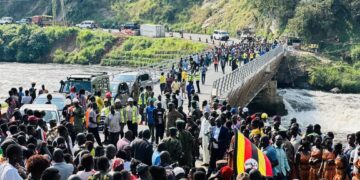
202, 38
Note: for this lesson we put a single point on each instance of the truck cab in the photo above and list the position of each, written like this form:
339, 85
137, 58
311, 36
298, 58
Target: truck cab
89, 82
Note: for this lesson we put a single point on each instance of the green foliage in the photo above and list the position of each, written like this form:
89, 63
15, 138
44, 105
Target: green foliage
355, 53
143, 50
341, 75
59, 56
323, 20
35, 44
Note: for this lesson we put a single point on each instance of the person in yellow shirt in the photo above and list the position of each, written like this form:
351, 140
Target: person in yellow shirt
162, 82
175, 86
184, 75
100, 104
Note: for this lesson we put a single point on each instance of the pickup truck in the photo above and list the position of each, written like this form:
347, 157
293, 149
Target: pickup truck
6, 20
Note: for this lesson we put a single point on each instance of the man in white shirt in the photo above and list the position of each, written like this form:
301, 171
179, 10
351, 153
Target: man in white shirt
26, 99
204, 135
113, 122
9, 169
295, 138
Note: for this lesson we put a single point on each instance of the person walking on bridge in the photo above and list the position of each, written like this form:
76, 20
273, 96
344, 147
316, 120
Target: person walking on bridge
197, 80
216, 63
223, 63
162, 82
203, 73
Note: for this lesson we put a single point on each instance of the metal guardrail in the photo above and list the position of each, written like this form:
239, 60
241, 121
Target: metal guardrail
224, 84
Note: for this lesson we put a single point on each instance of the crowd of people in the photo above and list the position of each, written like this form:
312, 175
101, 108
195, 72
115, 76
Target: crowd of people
151, 137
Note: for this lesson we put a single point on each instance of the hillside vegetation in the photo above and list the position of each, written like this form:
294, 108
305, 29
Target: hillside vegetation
312, 20
143, 50
32, 44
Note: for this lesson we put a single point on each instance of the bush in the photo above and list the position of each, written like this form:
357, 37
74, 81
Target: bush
59, 56
340, 75
355, 53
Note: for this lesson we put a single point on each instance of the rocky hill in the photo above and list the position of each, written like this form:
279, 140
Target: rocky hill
312, 20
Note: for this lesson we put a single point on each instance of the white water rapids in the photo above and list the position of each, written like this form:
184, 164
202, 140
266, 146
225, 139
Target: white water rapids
338, 113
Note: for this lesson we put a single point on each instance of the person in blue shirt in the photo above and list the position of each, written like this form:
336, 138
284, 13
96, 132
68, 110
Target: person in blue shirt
269, 151
150, 121
283, 168
155, 159
189, 89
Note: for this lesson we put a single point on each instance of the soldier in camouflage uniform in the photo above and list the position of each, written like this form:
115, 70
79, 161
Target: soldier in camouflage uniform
187, 143
173, 145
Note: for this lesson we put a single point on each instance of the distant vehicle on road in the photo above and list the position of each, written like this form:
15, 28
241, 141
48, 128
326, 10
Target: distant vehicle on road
87, 24
153, 31
57, 99
51, 112
24, 21
221, 35
89, 82
130, 25
6, 20
42, 20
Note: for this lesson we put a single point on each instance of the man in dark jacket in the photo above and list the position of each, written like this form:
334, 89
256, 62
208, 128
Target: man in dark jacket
219, 137
142, 149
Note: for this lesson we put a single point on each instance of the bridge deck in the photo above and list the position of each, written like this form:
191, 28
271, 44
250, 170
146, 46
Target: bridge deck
205, 89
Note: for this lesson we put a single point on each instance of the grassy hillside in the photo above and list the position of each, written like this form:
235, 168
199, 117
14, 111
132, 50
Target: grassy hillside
143, 50
32, 44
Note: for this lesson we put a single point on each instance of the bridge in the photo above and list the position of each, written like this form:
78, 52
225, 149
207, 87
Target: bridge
238, 87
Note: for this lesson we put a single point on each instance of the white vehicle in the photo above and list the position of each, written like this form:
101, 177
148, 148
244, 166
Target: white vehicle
57, 99
51, 112
153, 31
87, 24
6, 20
221, 35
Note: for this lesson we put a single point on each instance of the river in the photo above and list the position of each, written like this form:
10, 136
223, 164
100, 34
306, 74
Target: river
334, 112
21, 75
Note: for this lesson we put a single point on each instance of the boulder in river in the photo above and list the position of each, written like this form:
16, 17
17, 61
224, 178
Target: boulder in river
335, 90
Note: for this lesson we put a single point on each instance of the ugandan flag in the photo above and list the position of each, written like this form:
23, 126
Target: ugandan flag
247, 155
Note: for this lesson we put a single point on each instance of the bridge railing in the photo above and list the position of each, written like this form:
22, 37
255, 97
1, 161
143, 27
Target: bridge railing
241, 74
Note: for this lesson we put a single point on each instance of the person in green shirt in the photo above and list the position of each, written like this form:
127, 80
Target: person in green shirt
78, 114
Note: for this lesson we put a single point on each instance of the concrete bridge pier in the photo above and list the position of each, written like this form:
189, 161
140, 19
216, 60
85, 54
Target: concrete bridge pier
268, 100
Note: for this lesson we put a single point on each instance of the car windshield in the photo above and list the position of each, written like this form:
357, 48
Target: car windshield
50, 115
125, 78
78, 85
114, 87
58, 102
